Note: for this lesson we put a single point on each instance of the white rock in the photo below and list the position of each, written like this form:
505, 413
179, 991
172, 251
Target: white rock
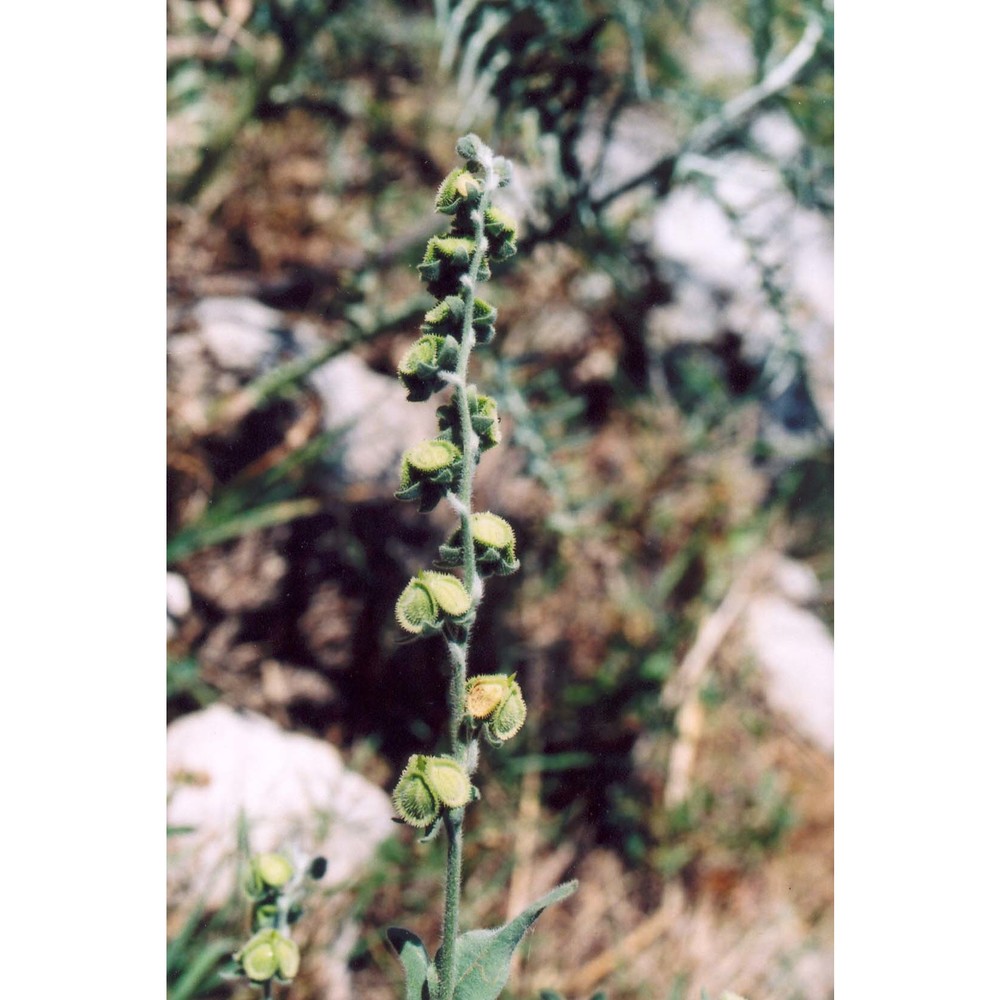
294, 791
796, 580
777, 135
379, 423
178, 596
794, 651
708, 260
239, 333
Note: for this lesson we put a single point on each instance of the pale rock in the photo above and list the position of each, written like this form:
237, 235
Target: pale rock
294, 790
378, 422
777, 135
178, 602
794, 652
239, 333
796, 580
178, 596
709, 258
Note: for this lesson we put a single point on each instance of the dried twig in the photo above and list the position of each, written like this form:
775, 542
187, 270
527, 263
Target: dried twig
682, 689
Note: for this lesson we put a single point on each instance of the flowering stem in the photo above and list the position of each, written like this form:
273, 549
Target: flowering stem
470, 447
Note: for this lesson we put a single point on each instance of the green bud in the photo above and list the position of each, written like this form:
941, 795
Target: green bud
429, 599
269, 953
428, 471
501, 234
509, 717
264, 916
448, 591
471, 147
449, 781
494, 544
446, 260
286, 951
485, 420
448, 316
258, 958
457, 188
414, 799
420, 368
416, 609
491, 531
274, 870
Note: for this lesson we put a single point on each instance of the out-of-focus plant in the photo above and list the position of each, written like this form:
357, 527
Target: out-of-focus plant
275, 887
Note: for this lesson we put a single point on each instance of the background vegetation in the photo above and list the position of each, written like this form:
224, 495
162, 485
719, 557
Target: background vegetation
305, 141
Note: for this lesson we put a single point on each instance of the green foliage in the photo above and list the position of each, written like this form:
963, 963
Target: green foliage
199, 954
482, 956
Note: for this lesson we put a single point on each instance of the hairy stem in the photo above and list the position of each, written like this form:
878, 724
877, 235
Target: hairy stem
469, 445
452, 891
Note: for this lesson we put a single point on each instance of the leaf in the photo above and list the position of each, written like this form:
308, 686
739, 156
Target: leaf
483, 957
421, 975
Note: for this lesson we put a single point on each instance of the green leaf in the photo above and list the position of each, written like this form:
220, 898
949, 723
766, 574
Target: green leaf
421, 976
483, 957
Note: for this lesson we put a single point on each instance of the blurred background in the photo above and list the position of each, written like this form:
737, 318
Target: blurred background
663, 364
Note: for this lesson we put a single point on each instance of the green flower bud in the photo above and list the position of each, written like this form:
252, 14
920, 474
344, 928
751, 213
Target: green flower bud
264, 916
485, 420
446, 260
287, 953
449, 781
414, 799
508, 718
428, 471
448, 591
420, 368
269, 953
501, 234
448, 316
274, 870
471, 147
457, 188
504, 170
494, 544
416, 610
429, 599
257, 957
491, 531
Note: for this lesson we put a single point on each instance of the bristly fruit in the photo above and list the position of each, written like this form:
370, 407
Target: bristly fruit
426, 785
